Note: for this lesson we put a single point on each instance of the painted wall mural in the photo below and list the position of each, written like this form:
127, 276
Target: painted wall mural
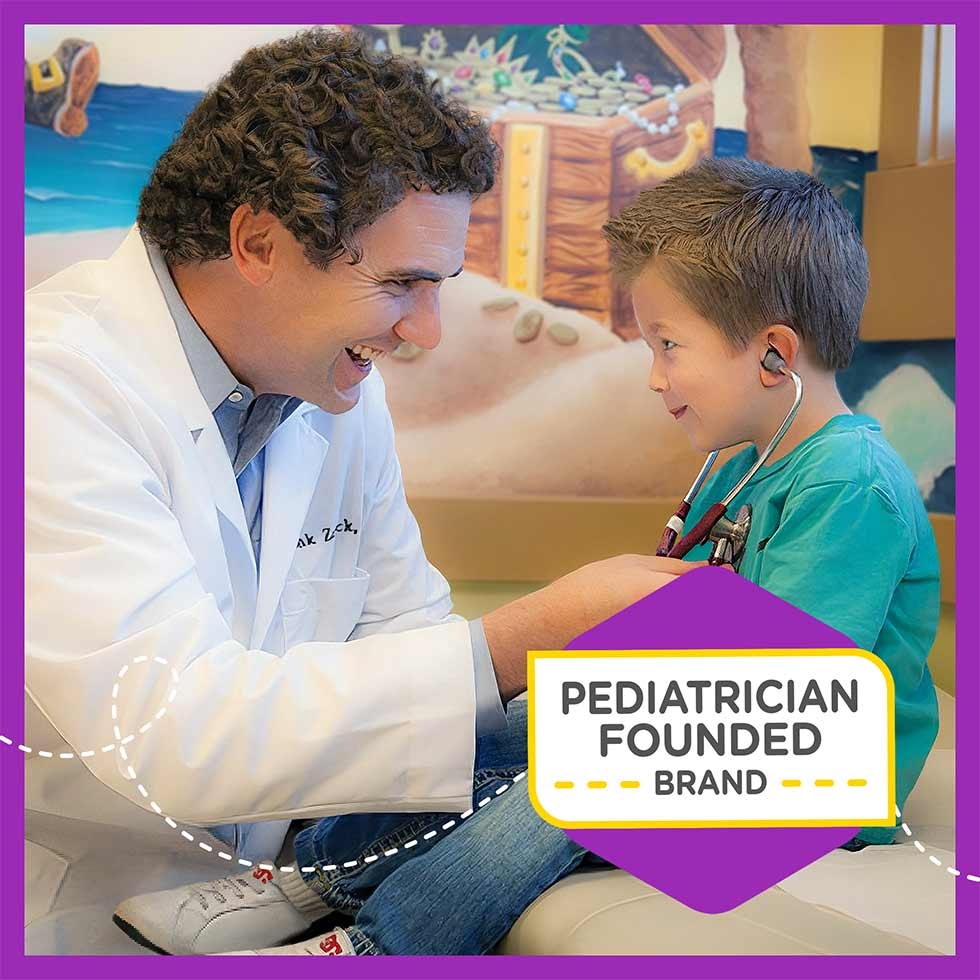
588, 115
539, 385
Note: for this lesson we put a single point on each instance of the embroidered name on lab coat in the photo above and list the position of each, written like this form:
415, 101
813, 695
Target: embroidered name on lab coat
326, 534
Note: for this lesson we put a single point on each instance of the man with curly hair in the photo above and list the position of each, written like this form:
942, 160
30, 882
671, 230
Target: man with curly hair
217, 528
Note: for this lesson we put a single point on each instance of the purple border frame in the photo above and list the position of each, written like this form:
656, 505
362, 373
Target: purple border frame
14, 14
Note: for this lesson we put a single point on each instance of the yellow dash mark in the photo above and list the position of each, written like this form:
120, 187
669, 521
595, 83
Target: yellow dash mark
791, 782
597, 784
823, 782
630, 784
857, 782
564, 785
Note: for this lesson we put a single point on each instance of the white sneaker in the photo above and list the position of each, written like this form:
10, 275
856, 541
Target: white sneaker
334, 943
217, 916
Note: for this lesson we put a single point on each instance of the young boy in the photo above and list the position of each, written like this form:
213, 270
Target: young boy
727, 262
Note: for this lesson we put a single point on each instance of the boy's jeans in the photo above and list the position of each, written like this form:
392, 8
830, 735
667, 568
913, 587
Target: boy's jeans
457, 891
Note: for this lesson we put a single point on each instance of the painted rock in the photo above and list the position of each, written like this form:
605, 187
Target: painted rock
499, 305
563, 333
528, 326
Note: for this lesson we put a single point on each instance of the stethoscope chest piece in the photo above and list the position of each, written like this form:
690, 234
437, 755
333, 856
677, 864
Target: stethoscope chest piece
729, 537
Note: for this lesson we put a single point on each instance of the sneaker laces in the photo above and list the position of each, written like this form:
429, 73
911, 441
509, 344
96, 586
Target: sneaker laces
223, 885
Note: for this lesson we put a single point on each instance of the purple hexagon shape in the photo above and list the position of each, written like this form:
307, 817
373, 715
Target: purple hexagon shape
712, 869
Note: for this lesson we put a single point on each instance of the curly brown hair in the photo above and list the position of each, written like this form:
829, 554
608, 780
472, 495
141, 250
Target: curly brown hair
323, 133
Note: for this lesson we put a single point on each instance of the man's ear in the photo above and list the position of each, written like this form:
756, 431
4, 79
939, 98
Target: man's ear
786, 342
252, 240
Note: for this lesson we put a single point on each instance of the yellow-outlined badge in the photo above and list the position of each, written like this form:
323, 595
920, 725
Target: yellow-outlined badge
571, 753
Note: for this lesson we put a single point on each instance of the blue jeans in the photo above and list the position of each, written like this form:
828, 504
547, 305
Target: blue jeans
444, 891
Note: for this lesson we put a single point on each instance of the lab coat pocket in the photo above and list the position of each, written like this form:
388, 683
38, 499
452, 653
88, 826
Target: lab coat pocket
323, 609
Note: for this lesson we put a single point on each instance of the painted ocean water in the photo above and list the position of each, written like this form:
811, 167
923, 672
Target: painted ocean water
95, 181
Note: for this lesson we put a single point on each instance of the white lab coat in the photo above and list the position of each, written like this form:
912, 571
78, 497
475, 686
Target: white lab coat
332, 680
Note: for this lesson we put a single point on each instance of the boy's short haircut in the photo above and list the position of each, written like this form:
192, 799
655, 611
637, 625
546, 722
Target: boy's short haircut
746, 245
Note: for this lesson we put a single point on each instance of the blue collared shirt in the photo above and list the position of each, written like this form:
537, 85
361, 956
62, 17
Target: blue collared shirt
246, 423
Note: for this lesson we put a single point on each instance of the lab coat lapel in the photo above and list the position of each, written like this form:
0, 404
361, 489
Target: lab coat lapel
293, 461
133, 298
214, 457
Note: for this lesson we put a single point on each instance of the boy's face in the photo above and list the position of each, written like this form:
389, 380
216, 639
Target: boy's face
710, 389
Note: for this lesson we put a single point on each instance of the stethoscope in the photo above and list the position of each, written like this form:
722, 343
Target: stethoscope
728, 536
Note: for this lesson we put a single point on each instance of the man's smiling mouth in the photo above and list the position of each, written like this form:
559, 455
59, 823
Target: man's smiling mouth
363, 356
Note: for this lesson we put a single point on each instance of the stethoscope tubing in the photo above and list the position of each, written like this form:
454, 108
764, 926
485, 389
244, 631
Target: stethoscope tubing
773, 442
675, 525
669, 545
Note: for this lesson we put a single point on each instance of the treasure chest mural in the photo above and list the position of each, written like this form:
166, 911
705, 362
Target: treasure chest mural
586, 115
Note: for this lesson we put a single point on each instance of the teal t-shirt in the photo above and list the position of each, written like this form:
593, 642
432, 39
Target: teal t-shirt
840, 531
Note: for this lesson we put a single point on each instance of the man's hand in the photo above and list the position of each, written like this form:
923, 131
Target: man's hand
553, 616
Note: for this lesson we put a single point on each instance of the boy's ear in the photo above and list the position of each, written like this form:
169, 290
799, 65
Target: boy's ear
785, 341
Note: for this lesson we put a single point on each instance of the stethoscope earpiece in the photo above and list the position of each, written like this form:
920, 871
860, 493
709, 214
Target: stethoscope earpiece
773, 362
